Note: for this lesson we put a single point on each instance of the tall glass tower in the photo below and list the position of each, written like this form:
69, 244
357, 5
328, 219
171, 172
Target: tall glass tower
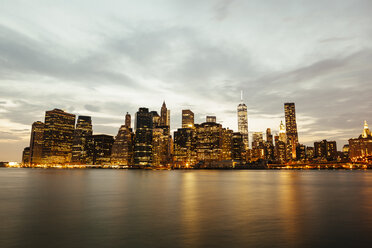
243, 122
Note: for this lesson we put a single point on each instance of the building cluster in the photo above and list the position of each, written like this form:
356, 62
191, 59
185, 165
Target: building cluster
59, 140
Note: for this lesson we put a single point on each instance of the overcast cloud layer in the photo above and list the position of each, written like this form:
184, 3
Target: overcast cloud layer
106, 58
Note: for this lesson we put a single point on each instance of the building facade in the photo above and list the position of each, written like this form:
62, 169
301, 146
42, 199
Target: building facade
58, 137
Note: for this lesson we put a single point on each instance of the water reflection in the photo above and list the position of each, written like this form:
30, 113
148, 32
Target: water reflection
106, 208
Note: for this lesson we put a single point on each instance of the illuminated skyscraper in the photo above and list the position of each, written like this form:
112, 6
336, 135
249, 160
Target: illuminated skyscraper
282, 134
26, 156
143, 138
243, 122
291, 129
36, 142
187, 118
209, 141
122, 150
82, 134
164, 115
101, 147
269, 136
185, 147
58, 137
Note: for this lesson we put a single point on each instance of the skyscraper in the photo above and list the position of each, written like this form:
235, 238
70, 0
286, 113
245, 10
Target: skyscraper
58, 137
243, 122
291, 129
122, 149
82, 134
100, 147
36, 142
164, 115
187, 118
143, 138
128, 120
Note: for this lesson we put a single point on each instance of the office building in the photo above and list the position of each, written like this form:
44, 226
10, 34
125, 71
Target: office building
143, 138
82, 134
187, 118
36, 142
243, 122
291, 129
58, 137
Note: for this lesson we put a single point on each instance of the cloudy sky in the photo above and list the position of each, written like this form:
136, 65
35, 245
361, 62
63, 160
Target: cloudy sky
106, 58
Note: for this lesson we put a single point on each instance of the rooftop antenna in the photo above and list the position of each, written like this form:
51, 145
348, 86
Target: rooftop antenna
241, 96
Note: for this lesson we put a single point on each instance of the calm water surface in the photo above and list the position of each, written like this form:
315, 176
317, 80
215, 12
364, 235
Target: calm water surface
120, 208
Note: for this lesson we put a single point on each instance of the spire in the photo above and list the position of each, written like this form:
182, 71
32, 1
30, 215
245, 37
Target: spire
366, 132
164, 104
282, 129
241, 96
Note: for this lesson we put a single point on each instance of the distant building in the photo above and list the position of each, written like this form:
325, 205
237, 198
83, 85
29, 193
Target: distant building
164, 115
36, 142
161, 145
301, 152
187, 118
82, 134
122, 152
238, 146
128, 120
280, 150
26, 156
309, 153
211, 118
291, 129
269, 136
185, 147
143, 138
227, 144
360, 149
58, 137
326, 150
208, 141
243, 122
100, 147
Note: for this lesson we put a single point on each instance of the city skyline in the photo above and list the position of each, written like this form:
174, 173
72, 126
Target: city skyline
102, 62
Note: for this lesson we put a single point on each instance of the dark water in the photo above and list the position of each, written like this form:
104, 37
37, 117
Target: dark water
119, 208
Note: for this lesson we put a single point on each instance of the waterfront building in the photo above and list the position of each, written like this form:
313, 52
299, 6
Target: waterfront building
291, 129
100, 147
360, 149
82, 134
187, 118
301, 152
325, 150
208, 141
185, 147
243, 121
309, 153
36, 142
26, 156
58, 137
143, 138
122, 152
161, 146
